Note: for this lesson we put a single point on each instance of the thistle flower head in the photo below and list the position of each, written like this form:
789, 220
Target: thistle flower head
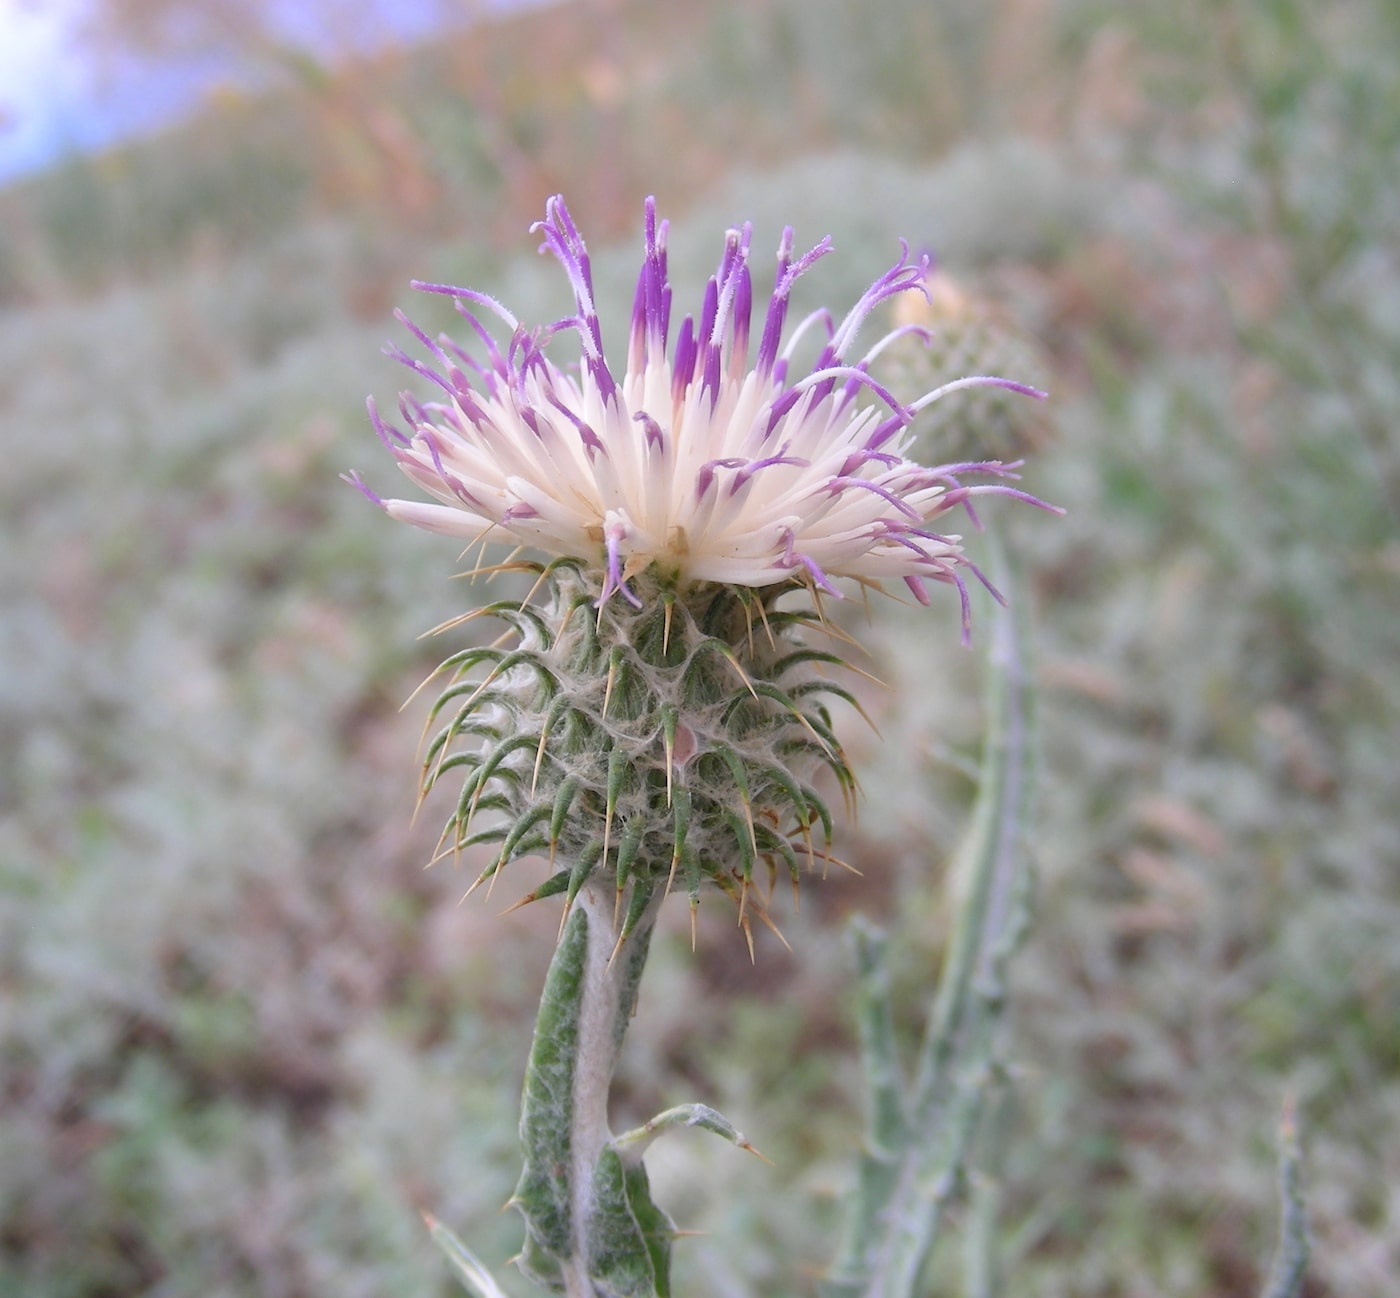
708, 457
658, 718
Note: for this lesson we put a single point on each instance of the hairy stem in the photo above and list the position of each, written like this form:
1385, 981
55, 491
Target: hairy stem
580, 1226
607, 997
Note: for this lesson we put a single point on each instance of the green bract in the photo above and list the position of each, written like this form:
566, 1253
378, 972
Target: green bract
656, 746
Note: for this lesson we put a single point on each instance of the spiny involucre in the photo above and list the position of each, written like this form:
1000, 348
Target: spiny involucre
658, 716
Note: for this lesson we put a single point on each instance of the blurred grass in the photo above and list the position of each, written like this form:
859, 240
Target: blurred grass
243, 1037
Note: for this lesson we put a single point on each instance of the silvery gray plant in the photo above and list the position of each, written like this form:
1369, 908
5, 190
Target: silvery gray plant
655, 717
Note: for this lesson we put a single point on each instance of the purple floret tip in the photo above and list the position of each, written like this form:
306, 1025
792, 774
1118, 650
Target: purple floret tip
354, 479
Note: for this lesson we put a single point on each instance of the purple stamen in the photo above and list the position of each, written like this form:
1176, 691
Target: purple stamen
709, 311
978, 381
417, 412
427, 438
945, 472
961, 495
859, 459
824, 381
683, 368
743, 313
901, 277
753, 466
492, 351
613, 534
387, 433
997, 489
637, 337
652, 304
787, 275
564, 241
422, 337
986, 584
469, 295
965, 601
459, 489
792, 558
651, 430
354, 479
837, 485
462, 356
927, 534
780, 408
704, 480
593, 444
397, 353
710, 382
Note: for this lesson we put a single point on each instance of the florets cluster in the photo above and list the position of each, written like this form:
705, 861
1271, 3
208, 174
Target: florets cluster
699, 461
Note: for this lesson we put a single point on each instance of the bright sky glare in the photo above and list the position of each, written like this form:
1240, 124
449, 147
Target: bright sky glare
52, 104
42, 87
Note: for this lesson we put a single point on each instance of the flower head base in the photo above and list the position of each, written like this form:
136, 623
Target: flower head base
656, 747
707, 465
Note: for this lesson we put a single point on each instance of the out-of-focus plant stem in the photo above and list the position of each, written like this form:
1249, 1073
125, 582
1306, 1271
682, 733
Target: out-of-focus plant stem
1285, 1279
919, 1137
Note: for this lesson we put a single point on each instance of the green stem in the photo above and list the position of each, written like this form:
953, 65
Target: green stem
588, 1230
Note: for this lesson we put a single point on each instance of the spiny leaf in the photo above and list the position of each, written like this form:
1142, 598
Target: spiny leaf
636, 909
804, 655
632, 1145
632, 835
543, 1194
774, 774
743, 832
551, 887
627, 1259
770, 842
563, 800
512, 845
680, 822
498, 755
465, 659
585, 865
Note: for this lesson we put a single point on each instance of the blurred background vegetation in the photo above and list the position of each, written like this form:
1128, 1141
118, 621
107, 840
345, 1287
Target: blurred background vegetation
244, 1037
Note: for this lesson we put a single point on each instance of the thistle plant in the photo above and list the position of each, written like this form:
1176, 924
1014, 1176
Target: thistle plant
656, 717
